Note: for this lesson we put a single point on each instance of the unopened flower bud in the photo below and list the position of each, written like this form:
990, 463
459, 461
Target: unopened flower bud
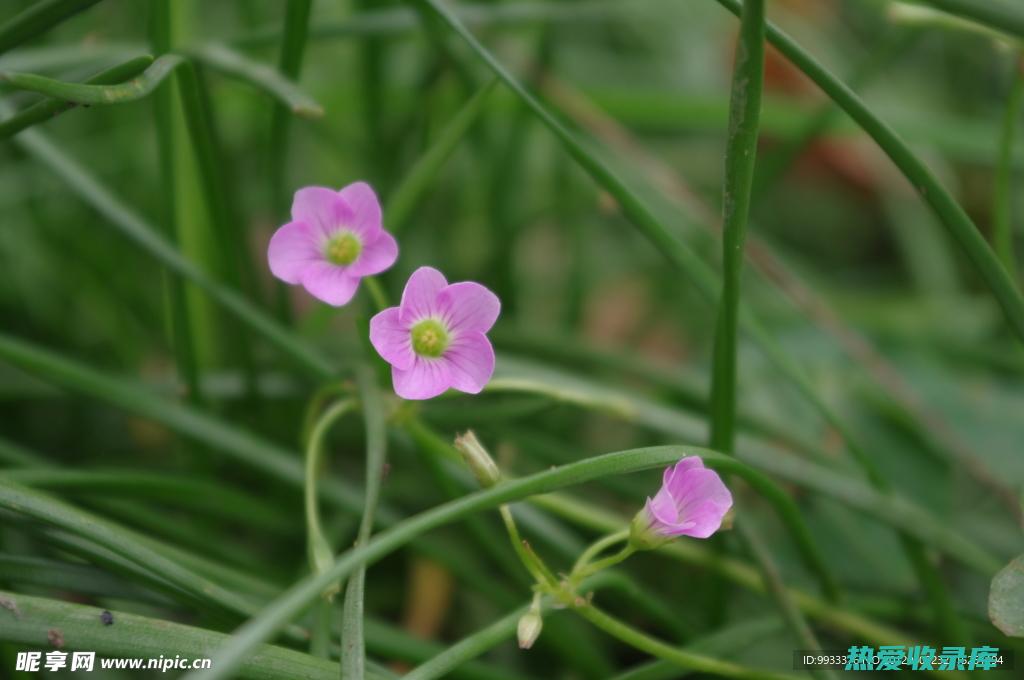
530, 625
478, 460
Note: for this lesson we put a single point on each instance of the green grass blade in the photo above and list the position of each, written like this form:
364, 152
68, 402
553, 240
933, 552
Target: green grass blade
50, 108
1000, 15
951, 215
243, 446
133, 226
299, 596
740, 157
405, 197
95, 95
353, 652
38, 18
141, 637
279, 86
1002, 209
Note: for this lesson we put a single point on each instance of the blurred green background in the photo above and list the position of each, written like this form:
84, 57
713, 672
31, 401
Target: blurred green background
849, 272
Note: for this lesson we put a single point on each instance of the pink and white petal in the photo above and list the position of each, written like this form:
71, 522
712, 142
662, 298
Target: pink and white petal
319, 208
366, 217
292, 249
329, 283
662, 508
471, 358
698, 486
703, 520
677, 471
419, 299
390, 337
427, 378
468, 306
376, 256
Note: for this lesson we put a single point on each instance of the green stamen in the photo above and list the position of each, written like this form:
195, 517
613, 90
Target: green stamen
343, 248
429, 338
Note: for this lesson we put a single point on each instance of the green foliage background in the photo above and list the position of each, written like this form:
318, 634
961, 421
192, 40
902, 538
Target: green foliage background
158, 388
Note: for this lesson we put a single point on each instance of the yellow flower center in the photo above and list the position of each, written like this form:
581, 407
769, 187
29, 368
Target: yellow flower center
343, 248
429, 338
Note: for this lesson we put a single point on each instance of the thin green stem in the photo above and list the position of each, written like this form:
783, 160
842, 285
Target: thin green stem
740, 156
49, 108
1002, 211
353, 651
320, 553
533, 565
595, 548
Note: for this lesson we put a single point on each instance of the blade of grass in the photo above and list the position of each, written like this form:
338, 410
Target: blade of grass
133, 226
424, 171
138, 636
1002, 210
740, 158
182, 338
997, 14
353, 652
281, 86
950, 214
38, 18
95, 95
50, 108
293, 47
299, 596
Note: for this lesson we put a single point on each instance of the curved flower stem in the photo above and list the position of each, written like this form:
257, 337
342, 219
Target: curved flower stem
1002, 235
602, 564
320, 554
530, 559
595, 549
680, 657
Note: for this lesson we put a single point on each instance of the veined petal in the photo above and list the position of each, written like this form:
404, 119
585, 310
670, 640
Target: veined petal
329, 283
293, 248
391, 338
419, 299
675, 475
376, 256
365, 210
426, 379
662, 508
697, 486
471, 358
468, 306
322, 209
703, 519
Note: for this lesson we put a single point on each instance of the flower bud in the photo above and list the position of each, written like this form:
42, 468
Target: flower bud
478, 460
530, 625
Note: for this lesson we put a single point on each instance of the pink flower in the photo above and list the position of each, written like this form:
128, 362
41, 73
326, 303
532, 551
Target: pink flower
334, 239
692, 501
435, 338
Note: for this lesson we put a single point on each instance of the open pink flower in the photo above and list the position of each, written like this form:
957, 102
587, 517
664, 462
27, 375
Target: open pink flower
692, 501
435, 338
334, 239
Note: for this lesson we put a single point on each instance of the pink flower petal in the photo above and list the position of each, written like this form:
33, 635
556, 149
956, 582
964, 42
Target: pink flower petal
662, 507
426, 379
376, 256
471, 359
293, 248
468, 306
390, 337
703, 519
322, 209
698, 486
366, 217
329, 283
419, 299
677, 473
